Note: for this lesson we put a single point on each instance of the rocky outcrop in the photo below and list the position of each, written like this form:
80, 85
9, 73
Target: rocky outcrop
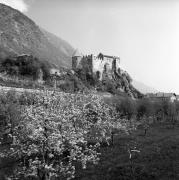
113, 81
104, 72
123, 82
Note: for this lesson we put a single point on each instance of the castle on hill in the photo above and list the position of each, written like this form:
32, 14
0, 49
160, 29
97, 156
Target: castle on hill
106, 69
99, 65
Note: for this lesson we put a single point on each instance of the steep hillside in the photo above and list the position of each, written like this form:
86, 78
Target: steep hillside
60, 45
20, 35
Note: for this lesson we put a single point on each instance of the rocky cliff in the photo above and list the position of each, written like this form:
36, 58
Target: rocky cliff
113, 81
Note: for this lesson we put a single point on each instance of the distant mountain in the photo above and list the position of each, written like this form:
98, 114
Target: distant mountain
20, 35
143, 88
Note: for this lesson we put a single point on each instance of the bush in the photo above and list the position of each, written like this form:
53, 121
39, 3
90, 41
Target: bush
126, 107
68, 86
109, 86
144, 108
10, 112
26, 66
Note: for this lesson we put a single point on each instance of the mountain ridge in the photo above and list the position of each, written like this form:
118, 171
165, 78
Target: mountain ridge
21, 35
143, 88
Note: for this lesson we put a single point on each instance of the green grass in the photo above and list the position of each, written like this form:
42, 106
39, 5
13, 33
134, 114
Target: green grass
158, 158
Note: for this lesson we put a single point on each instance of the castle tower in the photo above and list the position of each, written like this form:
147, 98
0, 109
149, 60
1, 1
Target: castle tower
76, 58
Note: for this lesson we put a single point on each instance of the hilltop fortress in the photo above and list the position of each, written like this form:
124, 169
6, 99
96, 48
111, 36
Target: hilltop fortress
106, 69
99, 65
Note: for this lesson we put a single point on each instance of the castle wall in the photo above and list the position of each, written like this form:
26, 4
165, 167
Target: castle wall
118, 64
96, 65
76, 62
100, 65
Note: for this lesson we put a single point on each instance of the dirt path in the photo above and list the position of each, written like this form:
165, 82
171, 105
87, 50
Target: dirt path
20, 90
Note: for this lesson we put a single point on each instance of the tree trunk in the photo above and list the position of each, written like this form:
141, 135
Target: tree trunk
42, 175
112, 138
145, 132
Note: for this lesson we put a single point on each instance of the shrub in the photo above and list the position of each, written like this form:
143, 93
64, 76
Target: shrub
26, 66
10, 112
144, 108
126, 107
68, 86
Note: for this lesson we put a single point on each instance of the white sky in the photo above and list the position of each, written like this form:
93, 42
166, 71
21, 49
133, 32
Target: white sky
144, 33
17, 4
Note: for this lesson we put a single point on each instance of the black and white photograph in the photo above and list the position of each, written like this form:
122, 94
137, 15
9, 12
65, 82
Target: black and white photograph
89, 90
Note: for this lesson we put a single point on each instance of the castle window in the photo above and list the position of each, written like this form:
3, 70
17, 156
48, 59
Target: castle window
98, 75
105, 67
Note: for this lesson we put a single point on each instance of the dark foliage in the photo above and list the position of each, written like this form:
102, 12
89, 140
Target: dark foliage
26, 66
144, 107
126, 107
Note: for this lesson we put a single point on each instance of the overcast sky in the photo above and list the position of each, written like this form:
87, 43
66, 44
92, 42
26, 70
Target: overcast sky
144, 33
